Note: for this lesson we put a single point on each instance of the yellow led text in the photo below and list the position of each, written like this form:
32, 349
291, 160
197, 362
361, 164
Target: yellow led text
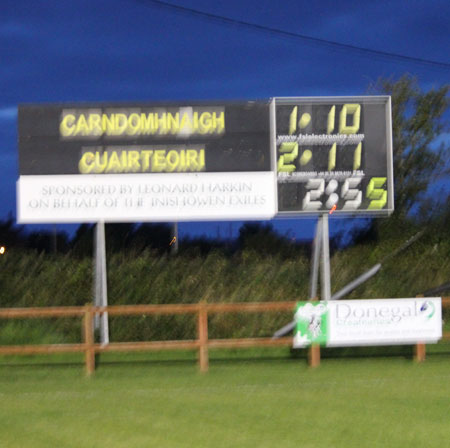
142, 161
95, 124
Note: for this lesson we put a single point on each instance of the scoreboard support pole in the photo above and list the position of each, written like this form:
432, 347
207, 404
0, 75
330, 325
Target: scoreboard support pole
321, 253
174, 240
314, 276
100, 283
325, 273
320, 256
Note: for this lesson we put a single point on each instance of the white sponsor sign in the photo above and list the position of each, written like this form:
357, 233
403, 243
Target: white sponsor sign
146, 197
343, 323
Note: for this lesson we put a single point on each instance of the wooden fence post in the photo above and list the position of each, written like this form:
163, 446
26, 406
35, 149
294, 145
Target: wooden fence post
420, 352
203, 337
420, 348
89, 340
314, 355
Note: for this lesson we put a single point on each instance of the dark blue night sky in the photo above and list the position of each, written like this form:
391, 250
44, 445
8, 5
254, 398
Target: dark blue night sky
141, 50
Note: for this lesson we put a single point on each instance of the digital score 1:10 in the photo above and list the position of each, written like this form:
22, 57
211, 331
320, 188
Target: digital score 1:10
326, 132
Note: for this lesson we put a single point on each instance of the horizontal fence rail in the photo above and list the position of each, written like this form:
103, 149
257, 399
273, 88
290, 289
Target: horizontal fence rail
201, 344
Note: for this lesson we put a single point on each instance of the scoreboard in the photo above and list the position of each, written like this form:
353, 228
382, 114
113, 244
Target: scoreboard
285, 157
333, 154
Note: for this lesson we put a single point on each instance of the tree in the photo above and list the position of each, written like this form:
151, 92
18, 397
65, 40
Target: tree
264, 240
10, 235
49, 242
417, 123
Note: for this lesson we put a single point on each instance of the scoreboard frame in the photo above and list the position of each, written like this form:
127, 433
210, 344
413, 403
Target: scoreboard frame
290, 188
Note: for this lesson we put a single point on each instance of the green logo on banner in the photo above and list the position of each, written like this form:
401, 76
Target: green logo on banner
312, 324
427, 309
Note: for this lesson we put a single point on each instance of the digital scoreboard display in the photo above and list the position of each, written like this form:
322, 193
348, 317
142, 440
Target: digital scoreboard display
281, 157
333, 154
117, 138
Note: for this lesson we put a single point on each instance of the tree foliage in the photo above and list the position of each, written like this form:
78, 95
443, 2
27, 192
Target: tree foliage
418, 122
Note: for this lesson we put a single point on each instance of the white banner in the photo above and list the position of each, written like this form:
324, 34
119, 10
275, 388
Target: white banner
384, 321
343, 323
146, 197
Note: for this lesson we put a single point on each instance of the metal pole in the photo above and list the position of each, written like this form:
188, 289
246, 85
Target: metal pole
317, 244
174, 241
355, 283
315, 260
104, 324
97, 286
325, 273
101, 291
54, 240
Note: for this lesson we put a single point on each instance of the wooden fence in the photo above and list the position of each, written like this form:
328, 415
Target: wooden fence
201, 344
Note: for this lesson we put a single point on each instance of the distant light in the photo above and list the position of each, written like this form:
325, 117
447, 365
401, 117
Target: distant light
2, 250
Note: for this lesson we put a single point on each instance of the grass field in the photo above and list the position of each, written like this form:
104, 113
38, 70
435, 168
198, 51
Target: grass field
268, 400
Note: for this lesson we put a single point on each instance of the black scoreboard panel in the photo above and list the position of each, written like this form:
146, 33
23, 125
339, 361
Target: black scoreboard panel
327, 154
115, 138
333, 155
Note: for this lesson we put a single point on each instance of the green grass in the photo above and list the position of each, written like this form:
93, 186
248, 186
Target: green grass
268, 400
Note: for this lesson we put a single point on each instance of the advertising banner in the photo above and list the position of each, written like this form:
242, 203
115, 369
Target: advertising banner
156, 197
343, 323
139, 162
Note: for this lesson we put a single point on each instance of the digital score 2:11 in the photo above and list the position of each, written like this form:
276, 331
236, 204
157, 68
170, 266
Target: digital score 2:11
333, 155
